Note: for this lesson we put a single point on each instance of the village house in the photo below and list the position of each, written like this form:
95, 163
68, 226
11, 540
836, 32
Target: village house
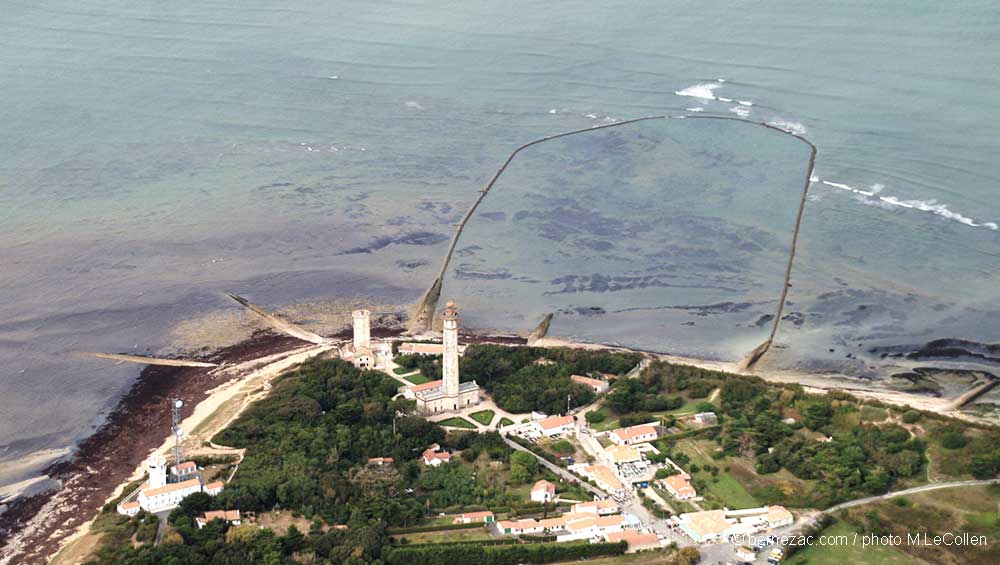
706, 418
604, 477
636, 541
596, 507
518, 527
433, 457
679, 486
633, 434
380, 461
599, 386
231, 516
720, 525
184, 469
485, 516
543, 491
554, 425
623, 455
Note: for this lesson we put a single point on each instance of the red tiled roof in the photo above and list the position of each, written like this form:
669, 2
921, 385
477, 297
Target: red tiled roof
427, 385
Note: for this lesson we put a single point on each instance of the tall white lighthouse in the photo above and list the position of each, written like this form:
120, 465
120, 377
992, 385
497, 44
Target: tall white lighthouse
362, 329
449, 360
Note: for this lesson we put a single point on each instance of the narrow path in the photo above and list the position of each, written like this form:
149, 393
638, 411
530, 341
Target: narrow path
914, 490
655, 497
149, 360
424, 311
569, 477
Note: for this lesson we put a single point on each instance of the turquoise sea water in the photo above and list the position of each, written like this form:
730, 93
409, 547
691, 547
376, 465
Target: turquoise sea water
154, 155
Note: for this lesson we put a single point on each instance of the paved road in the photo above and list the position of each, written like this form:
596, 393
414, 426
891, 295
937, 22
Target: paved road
914, 490
161, 527
569, 477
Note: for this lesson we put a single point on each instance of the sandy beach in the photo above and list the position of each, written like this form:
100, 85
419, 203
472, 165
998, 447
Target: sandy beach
35, 528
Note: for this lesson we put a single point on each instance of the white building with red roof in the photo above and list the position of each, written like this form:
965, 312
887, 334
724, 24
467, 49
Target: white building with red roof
543, 491
157, 494
679, 486
185, 468
633, 434
231, 516
599, 386
434, 458
636, 541
554, 425
596, 507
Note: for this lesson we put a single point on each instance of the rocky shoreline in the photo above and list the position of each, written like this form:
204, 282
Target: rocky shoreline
33, 527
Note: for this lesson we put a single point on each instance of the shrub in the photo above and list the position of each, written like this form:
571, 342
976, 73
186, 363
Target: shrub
954, 440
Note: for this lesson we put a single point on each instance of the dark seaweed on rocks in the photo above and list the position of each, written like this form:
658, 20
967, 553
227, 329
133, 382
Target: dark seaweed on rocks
107, 458
411, 238
946, 348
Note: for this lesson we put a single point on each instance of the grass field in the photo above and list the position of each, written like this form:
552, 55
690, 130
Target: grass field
506, 421
442, 536
484, 417
846, 552
402, 370
726, 489
458, 422
418, 379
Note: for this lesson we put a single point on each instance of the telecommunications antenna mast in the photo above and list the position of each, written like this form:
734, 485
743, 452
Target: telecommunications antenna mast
176, 427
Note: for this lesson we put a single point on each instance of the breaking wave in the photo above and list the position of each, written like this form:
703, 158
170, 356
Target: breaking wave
704, 90
791, 127
873, 198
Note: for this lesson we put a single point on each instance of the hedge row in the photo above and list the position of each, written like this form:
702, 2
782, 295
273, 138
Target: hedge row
500, 555
432, 528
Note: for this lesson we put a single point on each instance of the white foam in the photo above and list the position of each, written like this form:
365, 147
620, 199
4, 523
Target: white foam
888, 202
720, 80
695, 109
553, 111
721, 99
739, 111
705, 90
333, 77
790, 127
592, 116
814, 178
745, 102
414, 104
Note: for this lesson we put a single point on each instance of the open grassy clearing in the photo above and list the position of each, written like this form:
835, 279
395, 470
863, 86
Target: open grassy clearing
847, 552
484, 417
417, 379
444, 536
458, 422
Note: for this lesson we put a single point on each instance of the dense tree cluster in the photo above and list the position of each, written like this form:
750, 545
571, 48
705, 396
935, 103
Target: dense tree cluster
429, 365
313, 431
522, 379
859, 461
660, 387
